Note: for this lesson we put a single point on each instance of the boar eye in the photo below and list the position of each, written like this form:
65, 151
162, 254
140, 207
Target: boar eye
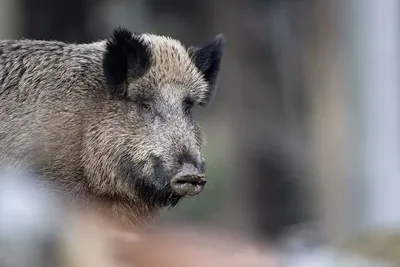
146, 110
146, 107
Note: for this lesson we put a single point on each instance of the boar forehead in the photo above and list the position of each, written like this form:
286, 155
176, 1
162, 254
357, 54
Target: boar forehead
172, 73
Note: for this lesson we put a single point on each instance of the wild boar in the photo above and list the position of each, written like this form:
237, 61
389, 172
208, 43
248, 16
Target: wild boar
109, 122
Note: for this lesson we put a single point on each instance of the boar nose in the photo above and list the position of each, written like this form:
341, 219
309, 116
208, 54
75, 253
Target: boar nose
189, 181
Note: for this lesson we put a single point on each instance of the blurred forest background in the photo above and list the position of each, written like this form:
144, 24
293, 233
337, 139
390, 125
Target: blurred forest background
277, 152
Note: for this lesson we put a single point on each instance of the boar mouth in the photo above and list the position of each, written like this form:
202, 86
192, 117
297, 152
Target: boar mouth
190, 185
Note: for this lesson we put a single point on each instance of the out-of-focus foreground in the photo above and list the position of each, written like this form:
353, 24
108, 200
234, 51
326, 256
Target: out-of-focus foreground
303, 135
37, 230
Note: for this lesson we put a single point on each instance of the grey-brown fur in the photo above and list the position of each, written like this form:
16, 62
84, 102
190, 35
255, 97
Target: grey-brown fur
106, 121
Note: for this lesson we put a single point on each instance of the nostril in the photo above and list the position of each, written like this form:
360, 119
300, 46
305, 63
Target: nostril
189, 179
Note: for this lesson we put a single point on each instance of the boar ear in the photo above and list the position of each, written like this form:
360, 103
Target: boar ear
208, 60
125, 56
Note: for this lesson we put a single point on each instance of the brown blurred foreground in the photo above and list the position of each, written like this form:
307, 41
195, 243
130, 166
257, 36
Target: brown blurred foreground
87, 242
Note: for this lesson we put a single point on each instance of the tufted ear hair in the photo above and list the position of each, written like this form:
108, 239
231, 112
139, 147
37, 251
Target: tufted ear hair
126, 56
207, 59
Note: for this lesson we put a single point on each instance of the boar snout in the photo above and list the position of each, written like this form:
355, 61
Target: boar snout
189, 181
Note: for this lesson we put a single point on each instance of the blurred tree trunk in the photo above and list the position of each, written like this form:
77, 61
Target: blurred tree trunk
328, 121
57, 20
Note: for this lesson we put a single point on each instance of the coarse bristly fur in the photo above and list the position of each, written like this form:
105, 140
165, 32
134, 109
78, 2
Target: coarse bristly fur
106, 122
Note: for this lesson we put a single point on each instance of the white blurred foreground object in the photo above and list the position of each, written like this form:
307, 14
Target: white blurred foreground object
28, 222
